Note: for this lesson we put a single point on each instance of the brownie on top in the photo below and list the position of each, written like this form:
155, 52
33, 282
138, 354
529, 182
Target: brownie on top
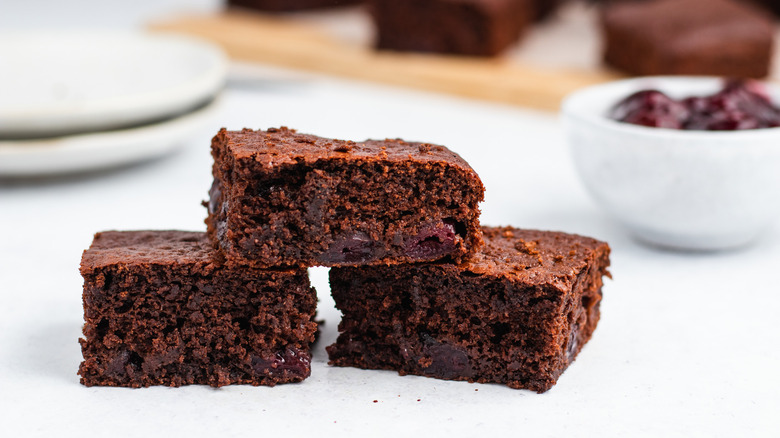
283, 198
688, 37
517, 313
160, 310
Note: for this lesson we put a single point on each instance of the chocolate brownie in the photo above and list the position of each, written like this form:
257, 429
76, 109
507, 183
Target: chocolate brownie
466, 27
160, 310
290, 5
693, 37
518, 313
284, 198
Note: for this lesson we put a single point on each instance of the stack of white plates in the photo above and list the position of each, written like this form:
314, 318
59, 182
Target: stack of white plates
83, 101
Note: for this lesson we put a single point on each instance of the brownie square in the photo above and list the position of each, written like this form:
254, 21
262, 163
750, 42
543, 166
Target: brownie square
160, 310
518, 313
465, 27
290, 5
283, 198
772, 5
688, 37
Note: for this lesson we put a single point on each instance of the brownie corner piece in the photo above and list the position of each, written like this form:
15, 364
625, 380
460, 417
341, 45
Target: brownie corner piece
284, 198
688, 37
159, 311
518, 313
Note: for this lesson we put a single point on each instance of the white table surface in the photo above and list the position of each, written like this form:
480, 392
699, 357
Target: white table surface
688, 344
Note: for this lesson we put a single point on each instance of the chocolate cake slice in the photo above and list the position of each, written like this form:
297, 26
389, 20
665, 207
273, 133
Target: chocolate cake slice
160, 310
518, 313
284, 198
688, 37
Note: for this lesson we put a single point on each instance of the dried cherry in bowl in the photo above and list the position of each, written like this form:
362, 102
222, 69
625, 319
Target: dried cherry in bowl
685, 189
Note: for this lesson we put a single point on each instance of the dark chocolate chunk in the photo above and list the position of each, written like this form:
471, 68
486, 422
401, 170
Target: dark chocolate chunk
517, 313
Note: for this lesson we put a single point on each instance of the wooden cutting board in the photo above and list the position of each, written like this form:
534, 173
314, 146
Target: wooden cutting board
289, 42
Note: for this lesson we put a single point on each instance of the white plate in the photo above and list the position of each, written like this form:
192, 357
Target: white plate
80, 153
73, 82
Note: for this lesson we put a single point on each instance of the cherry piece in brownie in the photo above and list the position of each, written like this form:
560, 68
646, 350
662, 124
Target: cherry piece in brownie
159, 310
465, 27
518, 313
688, 37
283, 198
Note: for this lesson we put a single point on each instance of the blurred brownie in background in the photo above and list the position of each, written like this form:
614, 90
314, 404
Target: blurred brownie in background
517, 313
281, 198
290, 5
465, 27
688, 37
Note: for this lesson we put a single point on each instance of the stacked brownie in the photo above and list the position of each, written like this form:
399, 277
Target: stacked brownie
160, 309
423, 288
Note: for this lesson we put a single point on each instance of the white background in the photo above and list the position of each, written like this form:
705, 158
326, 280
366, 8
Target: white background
688, 344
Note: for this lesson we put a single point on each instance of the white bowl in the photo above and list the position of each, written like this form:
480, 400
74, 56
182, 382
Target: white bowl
696, 190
